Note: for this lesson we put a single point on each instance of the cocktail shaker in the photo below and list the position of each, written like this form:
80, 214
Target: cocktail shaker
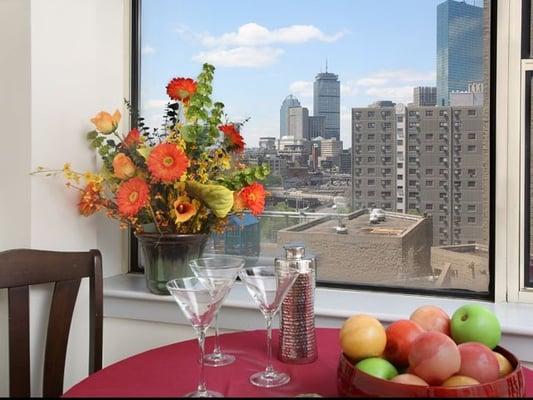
297, 337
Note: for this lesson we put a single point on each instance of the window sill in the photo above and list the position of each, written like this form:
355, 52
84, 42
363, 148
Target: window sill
126, 296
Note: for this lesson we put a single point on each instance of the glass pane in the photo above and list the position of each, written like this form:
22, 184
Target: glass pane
528, 273
375, 125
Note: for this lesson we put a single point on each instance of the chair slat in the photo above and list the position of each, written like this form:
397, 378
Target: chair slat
96, 312
19, 341
63, 302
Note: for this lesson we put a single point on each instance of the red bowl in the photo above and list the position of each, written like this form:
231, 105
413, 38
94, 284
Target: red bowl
352, 382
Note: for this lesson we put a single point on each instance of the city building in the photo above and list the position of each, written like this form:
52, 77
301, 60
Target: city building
473, 96
267, 144
317, 126
400, 157
346, 161
295, 151
459, 47
290, 101
374, 157
298, 122
326, 102
424, 96
396, 251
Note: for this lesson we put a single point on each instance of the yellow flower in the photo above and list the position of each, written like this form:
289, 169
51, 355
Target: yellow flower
93, 178
123, 167
106, 123
185, 209
69, 174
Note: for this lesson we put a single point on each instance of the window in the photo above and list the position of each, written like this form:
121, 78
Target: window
471, 220
471, 173
429, 206
412, 183
471, 208
471, 184
471, 147
371, 193
269, 64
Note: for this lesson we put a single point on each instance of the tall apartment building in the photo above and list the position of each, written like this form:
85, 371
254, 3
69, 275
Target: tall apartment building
327, 102
374, 157
435, 162
290, 101
459, 47
424, 96
298, 118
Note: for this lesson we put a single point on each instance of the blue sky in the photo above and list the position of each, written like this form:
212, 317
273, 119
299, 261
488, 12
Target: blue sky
265, 50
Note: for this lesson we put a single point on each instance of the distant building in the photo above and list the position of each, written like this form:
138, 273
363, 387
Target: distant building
471, 97
317, 126
383, 103
459, 47
393, 252
346, 161
295, 151
290, 101
267, 143
299, 122
424, 96
326, 102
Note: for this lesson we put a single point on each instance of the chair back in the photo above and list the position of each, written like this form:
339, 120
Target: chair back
23, 267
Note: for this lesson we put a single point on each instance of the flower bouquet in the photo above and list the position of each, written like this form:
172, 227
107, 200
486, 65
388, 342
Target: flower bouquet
172, 185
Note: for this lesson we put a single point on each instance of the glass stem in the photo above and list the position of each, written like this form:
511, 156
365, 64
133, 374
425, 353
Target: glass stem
269, 367
201, 345
217, 350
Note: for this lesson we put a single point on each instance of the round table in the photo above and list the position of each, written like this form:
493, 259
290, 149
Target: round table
172, 371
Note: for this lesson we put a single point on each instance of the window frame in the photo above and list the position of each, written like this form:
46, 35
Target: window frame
499, 248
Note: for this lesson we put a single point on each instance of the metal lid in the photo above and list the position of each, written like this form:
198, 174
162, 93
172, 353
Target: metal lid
294, 250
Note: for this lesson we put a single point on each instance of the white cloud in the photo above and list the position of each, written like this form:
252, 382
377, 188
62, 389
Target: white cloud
253, 34
146, 50
382, 78
349, 88
398, 94
155, 103
302, 88
251, 57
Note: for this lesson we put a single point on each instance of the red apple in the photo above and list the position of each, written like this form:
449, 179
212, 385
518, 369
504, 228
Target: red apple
459, 380
409, 379
434, 357
400, 335
478, 362
432, 318
505, 366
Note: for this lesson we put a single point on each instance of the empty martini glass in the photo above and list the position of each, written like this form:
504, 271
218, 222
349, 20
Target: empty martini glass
200, 300
268, 286
217, 267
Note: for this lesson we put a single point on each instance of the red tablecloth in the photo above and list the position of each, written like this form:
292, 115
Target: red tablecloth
173, 371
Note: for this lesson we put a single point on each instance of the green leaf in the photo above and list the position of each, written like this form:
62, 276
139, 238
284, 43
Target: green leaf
188, 133
92, 135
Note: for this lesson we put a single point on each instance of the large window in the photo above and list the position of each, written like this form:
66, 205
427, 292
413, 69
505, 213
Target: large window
400, 81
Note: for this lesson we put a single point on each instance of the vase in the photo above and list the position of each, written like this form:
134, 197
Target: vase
167, 257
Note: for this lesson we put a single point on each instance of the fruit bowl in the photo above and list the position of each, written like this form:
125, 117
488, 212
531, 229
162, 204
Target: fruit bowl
352, 382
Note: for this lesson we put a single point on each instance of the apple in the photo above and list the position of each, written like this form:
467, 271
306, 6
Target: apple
478, 362
475, 323
434, 357
505, 366
377, 367
459, 380
432, 318
409, 379
362, 336
400, 335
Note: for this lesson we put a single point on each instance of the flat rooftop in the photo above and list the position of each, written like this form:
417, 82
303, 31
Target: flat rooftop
473, 249
395, 225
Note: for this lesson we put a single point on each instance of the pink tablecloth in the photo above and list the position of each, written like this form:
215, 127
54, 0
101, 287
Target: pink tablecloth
173, 370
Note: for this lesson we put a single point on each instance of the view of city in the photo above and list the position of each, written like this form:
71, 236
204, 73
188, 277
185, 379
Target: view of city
377, 140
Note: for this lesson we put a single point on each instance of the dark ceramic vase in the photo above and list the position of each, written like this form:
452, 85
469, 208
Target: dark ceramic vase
167, 256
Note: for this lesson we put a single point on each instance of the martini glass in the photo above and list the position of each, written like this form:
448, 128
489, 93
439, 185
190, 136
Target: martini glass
268, 286
217, 267
200, 300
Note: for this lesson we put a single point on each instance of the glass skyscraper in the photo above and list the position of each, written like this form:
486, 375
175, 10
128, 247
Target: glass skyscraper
290, 101
327, 103
459, 47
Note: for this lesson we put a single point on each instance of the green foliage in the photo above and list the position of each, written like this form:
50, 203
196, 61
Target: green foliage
247, 176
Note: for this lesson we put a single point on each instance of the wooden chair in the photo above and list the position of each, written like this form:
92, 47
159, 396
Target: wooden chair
21, 268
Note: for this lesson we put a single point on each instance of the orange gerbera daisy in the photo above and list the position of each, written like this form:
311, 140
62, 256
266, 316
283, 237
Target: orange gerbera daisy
90, 200
234, 137
181, 89
167, 162
133, 137
132, 196
253, 197
185, 209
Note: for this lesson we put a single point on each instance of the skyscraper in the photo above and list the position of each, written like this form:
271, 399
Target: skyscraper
298, 122
317, 126
459, 47
327, 102
290, 101
424, 96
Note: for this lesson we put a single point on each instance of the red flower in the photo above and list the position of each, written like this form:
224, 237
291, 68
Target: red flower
167, 162
132, 196
234, 137
133, 137
181, 89
90, 200
253, 197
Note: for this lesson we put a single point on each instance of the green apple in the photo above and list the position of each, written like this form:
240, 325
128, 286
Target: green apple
378, 367
475, 323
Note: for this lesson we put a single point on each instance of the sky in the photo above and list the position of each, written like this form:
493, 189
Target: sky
266, 50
